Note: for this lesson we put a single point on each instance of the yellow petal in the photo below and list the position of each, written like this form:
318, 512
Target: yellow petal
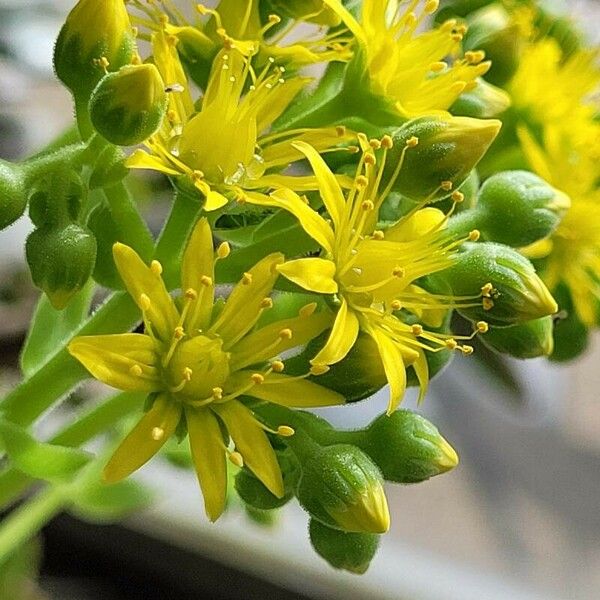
252, 443
295, 393
350, 22
144, 284
330, 189
422, 372
243, 307
310, 220
197, 273
342, 337
278, 99
268, 341
534, 154
208, 454
125, 361
140, 159
145, 439
422, 222
393, 364
314, 274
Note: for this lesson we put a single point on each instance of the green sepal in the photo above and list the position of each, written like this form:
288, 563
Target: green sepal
525, 340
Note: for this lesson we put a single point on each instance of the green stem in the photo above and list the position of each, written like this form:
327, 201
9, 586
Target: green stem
24, 523
134, 231
82, 114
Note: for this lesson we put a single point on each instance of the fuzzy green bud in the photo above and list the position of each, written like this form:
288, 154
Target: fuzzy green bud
128, 106
61, 261
341, 487
13, 193
351, 552
439, 153
407, 447
482, 102
96, 35
519, 208
525, 340
502, 284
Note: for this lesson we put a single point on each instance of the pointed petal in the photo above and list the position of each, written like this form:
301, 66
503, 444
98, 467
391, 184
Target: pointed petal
395, 371
337, 7
125, 361
314, 274
142, 444
197, 273
294, 392
330, 189
252, 443
422, 372
243, 307
310, 220
140, 159
342, 337
141, 280
208, 454
279, 98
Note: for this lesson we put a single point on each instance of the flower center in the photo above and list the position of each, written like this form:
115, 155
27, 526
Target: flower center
198, 369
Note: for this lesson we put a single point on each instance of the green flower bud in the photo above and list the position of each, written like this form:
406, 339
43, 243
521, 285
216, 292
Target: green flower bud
525, 340
482, 102
61, 261
503, 285
13, 193
407, 447
106, 231
314, 11
128, 106
341, 487
519, 208
437, 150
351, 552
93, 31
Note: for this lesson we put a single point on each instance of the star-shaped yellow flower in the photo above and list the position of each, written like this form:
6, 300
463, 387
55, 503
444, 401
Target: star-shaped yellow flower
372, 273
199, 359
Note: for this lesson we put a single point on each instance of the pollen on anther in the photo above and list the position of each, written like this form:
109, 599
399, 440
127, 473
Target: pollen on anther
417, 329
362, 181
206, 280
187, 374
486, 290
412, 141
399, 272
446, 185
144, 302
474, 235
285, 431
482, 327
466, 350
156, 268
217, 393
370, 159
158, 433
178, 333
278, 366
457, 197
246, 278
378, 235
487, 303
396, 305
191, 294
387, 143
367, 205
286, 334
266, 303
257, 378
451, 344
136, 370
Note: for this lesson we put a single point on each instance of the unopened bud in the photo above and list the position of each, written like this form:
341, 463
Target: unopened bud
13, 193
525, 340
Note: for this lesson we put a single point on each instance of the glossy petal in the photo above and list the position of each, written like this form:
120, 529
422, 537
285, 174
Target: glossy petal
145, 439
342, 337
114, 360
252, 443
141, 280
140, 159
314, 274
208, 454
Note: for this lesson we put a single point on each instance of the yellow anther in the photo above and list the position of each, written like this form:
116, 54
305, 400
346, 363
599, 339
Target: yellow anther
399, 272
156, 268
136, 370
487, 303
224, 250
191, 294
446, 185
237, 459
308, 309
411, 19
474, 57
482, 327
278, 366
257, 378
378, 235
362, 181
217, 393
286, 334
319, 369
370, 159
387, 142
353, 149
102, 62
172, 115
179, 332
438, 67
451, 344
417, 329
431, 6
466, 350
457, 37
187, 374
285, 431
144, 302
246, 278
340, 130
136, 59
206, 281
197, 175
158, 433
396, 304
457, 197
367, 205
487, 289
412, 141
474, 235
462, 29
375, 143
362, 138
274, 19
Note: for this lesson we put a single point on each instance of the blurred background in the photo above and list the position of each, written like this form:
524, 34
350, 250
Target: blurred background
518, 519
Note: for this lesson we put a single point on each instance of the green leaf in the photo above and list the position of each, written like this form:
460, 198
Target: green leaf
50, 328
101, 502
38, 459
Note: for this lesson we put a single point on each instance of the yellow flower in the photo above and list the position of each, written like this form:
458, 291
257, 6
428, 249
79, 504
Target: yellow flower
408, 66
569, 159
223, 147
198, 359
372, 273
